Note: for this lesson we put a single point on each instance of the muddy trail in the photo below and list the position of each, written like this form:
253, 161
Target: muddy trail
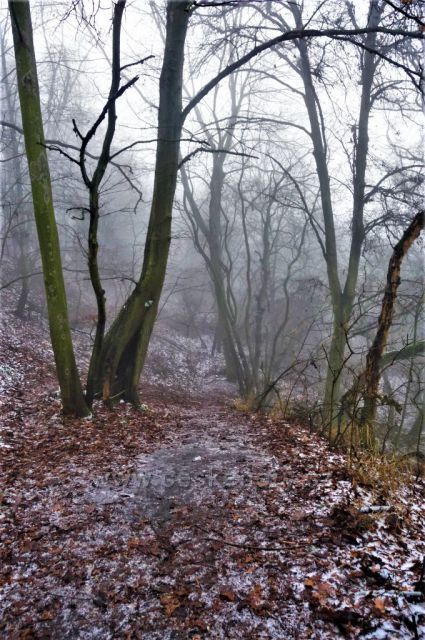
193, 520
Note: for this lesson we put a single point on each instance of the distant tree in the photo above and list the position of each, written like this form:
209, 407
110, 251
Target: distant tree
127, 341
125, 344
16, 236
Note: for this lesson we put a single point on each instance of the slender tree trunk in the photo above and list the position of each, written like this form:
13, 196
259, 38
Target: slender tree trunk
361, 150
407, 398
26, 71
93, 185
93, 247
215, 263
372, 371
13, 179
262, 301
414, 435
342, 298
23, 296
336, 352
236, 366
335, 365
125, 345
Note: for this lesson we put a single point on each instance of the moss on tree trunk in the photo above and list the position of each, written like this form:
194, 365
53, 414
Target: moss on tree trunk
29, 97
125, 345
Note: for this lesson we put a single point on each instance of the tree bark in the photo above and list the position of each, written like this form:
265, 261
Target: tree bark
125, 345
93, 186
29, 96
372, 371
12, 188
342, 298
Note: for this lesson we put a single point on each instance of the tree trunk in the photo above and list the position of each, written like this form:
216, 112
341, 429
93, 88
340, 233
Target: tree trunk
414, 435
23, 296
342, 299
12, 183
125, 345
361, 149
236, 366
337, 347
372, 371
26, 71
93, 185
93, 265
335, 365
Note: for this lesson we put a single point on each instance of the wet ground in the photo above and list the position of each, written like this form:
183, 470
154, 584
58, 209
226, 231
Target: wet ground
204, 461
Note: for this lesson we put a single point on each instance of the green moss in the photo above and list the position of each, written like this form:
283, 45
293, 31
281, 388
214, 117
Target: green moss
71, 392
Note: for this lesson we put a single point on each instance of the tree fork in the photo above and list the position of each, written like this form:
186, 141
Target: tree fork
125, 345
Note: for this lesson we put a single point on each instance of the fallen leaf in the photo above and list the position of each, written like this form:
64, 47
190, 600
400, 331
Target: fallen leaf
200, 624
228, 594
379, 605
170, 603
133, 542
298, 514
47, 615
322, 591
255, 598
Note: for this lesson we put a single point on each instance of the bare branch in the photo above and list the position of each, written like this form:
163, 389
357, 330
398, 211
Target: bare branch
297, 34
132, 64
202, 149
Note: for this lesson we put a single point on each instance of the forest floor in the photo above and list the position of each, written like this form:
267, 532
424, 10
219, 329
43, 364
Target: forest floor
190, 520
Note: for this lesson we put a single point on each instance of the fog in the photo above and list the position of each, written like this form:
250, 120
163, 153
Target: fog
297, 175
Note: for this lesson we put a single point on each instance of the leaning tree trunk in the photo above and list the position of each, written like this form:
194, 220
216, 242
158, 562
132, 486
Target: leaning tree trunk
126, 343
372, 371
29, 96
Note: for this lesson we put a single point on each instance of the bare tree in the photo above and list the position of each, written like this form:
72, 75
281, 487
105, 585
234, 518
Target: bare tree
26, 70
372, 372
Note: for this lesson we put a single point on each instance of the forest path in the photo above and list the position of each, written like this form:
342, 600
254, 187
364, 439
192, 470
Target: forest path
151, 524
209, 456
190, 520
193, 521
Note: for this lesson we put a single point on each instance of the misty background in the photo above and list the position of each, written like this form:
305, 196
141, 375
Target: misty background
247, 263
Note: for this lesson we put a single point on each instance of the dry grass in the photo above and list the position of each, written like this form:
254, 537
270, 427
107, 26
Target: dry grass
245, 405
383, 473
